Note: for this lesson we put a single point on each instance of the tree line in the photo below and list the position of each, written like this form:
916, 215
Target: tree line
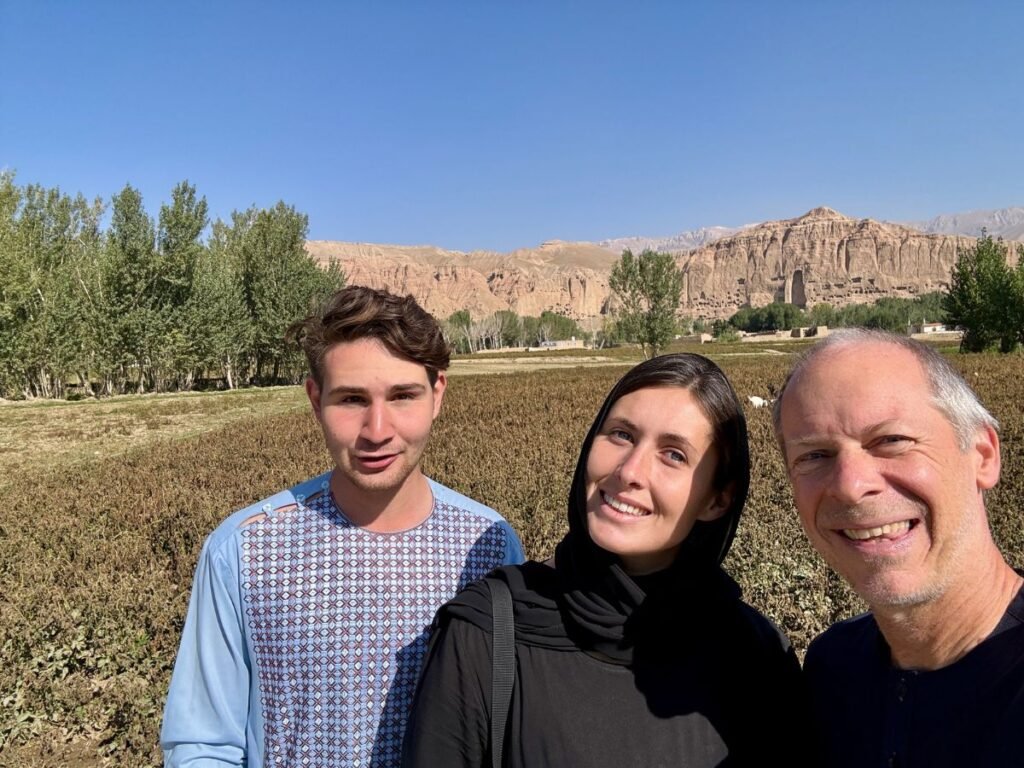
144, 305
505, 329
985, 300
888, 313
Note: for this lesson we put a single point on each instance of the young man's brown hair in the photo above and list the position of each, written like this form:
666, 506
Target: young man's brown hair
357, 312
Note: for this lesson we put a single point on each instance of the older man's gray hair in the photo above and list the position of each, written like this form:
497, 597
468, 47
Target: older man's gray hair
951, 394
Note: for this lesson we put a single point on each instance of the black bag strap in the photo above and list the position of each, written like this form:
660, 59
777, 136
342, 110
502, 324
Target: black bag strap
503, 670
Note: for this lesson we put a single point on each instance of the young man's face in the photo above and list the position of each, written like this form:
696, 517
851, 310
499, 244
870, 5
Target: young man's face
376, 411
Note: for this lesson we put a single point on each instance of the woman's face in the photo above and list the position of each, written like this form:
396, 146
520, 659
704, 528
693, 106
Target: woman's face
649, 477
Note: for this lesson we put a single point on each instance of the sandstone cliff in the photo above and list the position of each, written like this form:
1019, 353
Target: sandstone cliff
822, 256
568, 278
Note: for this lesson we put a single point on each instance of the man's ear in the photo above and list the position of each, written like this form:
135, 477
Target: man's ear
313, 393
985, 451
719, 506
440, 385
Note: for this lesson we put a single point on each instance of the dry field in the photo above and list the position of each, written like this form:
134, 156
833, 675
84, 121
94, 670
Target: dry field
106, 506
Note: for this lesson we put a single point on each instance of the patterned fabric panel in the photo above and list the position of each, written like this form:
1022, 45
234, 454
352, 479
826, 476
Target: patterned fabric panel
339, 621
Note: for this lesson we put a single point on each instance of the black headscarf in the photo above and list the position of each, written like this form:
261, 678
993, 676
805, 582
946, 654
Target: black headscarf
594, 604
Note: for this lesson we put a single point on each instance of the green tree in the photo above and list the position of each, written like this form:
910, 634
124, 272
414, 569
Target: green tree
132, 290
280, 284
459, 331
608, 334
985, 297
217, 314
560, 328
773, 317
48, 246
179, 252
927, 308
510, 328
888, 313
1016, 310
74, 315
648, 288
723, 330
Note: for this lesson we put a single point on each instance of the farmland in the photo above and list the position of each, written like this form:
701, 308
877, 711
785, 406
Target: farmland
106, 505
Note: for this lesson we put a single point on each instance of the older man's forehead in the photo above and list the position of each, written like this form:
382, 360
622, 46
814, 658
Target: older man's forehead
872, 352
862, 382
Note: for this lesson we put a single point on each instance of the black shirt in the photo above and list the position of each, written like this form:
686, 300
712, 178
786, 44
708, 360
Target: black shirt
871, 713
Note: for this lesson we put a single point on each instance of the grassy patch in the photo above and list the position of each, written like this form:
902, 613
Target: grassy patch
41, 433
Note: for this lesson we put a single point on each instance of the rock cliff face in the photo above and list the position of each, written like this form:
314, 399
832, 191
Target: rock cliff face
567, 278
822, 256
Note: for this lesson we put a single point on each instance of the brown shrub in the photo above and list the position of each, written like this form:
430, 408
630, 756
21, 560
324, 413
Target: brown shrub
96, 560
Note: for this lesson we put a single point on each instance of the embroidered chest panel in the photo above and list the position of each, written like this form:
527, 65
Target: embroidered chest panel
339, 621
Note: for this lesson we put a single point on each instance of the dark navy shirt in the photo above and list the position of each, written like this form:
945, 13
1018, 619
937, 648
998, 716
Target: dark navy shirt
870, 713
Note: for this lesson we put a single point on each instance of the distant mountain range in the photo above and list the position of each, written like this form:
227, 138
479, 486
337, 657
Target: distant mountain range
1007, 223
821, 256
684, 241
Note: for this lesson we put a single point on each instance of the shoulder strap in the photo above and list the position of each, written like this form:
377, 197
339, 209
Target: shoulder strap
503, 672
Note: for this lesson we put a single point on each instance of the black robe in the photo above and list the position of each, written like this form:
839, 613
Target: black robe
668, 669
728, 693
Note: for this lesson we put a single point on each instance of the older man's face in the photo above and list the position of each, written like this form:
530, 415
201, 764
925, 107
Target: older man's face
883, 489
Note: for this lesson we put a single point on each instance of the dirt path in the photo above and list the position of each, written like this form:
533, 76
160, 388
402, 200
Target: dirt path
519, 364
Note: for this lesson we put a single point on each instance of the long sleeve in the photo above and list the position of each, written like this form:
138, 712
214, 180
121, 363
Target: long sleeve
207, 713
450, 720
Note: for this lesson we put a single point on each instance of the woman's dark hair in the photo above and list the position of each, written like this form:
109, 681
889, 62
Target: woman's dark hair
708, 541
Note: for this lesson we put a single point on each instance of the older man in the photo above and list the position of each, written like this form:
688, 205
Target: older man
890, 453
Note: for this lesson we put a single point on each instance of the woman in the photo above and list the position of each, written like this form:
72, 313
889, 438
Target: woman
632, 645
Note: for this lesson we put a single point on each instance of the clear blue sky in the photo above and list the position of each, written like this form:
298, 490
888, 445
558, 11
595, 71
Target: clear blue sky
499, 125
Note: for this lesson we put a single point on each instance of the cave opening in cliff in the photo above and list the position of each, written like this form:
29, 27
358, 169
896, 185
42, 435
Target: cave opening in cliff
799, 296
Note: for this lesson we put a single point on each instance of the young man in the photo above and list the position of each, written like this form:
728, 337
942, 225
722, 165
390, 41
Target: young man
890, 454
310, 609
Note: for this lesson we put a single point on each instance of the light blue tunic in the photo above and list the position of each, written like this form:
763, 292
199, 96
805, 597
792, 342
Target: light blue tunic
305, 633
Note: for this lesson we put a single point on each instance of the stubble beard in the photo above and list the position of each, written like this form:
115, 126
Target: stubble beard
391, 479
881, 589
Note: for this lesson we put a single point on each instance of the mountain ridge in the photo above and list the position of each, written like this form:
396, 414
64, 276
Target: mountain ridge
821, 255
1007, 223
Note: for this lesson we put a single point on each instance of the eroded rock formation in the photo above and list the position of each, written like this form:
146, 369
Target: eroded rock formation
822, 256
567, 278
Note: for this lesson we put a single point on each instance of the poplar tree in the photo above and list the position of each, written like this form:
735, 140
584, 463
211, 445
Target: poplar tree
180, 251
280, 284
986, 296
648, 288
132, 284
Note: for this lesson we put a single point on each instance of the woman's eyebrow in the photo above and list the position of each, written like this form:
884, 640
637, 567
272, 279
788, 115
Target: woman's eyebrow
672, 437
667, 437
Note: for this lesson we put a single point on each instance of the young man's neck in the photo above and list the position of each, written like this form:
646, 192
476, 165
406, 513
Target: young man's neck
385, 511
942, 631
